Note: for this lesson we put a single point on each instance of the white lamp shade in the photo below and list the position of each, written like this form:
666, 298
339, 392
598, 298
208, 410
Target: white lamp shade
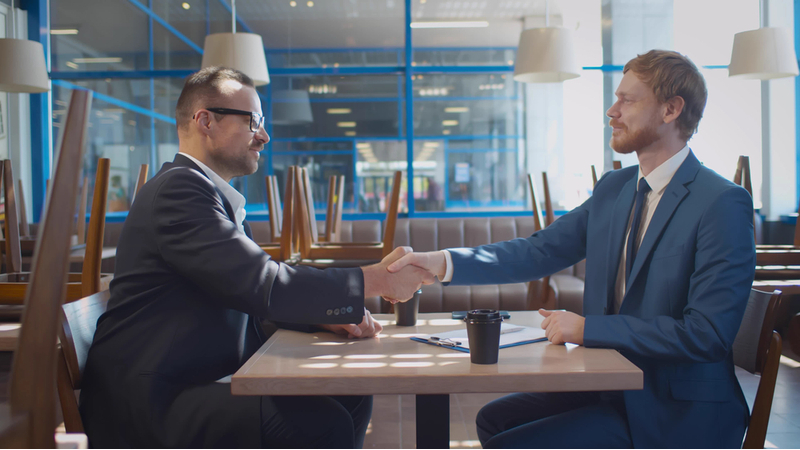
22, 67
291, 107
546, 55
240, 51
763, 54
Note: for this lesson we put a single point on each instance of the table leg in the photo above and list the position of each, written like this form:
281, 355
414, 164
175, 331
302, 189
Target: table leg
433, 421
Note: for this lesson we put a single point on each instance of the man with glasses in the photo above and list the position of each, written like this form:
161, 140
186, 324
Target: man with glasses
189, 289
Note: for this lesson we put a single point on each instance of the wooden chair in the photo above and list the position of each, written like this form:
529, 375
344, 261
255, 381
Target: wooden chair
550, 215
594, 175
742, 175
616, 165
78, 324
80, 224
28, 420
24, 227
757, 349
285, 249
538, 290
343, 253
14, 284
274, 207
333, 215
141, 179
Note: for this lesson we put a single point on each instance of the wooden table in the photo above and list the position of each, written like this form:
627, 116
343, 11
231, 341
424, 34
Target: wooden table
295, 363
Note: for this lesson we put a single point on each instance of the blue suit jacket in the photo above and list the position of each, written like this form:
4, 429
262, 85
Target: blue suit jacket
684, 301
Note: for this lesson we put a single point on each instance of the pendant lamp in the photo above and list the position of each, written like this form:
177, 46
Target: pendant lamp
763, 54
546, 55
22, 66
291, 107
240, 51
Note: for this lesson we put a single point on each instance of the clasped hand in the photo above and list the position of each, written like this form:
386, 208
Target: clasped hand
395, 286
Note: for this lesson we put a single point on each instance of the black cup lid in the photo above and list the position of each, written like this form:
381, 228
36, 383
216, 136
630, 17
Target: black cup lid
483, 315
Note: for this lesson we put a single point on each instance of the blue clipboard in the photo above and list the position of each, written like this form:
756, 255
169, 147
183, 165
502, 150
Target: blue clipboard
510, 336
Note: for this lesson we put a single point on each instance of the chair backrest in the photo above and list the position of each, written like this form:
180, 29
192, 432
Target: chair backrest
93, 256
538, 219
24, 227
33, 373
11, 225
550, 215
594, 175
333, 214
273, 206
289, 214
757, 349
141, 179
80, 227
391, 214
337, 211
742, 175
78, 325
312, 213
329, 214
616, 165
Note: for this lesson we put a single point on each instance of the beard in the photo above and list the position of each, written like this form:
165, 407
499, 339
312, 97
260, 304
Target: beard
236, 163
628, 142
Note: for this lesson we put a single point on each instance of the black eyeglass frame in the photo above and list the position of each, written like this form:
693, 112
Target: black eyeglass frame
256, 119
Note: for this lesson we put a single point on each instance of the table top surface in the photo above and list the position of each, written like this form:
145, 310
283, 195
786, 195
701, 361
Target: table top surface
323, 363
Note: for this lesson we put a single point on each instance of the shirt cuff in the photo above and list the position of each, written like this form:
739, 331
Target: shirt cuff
448, 263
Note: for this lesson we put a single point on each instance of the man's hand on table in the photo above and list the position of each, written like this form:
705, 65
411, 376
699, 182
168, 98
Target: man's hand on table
395, 287
563, 326
368, 327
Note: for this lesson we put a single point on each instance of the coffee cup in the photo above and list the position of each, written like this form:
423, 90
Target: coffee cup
405, 313
483, 332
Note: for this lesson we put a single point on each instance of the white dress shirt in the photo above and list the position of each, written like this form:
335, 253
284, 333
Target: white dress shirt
658, 180
236, 199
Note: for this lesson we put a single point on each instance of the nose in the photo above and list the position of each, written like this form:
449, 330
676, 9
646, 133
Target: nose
262, 136
613, 112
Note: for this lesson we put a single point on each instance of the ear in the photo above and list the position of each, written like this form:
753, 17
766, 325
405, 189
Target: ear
202, 121
673, 109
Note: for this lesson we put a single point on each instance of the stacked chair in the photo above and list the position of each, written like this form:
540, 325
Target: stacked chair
319, 253
28, 419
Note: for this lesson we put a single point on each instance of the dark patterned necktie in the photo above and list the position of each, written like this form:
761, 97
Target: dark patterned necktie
630, 254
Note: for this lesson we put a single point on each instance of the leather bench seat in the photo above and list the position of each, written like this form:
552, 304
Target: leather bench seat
423, 234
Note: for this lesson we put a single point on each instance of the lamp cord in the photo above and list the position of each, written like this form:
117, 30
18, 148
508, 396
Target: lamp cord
546, 13
233, 16
13, 20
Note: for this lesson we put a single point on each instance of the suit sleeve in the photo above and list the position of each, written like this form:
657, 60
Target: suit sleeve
719, 288
198, 240
545, 252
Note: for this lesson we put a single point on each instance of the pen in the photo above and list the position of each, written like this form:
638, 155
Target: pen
443, 342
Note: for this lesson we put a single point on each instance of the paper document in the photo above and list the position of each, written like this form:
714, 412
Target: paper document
510, 335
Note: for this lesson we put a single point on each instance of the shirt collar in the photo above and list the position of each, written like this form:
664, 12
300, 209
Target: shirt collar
236, 199
660, 177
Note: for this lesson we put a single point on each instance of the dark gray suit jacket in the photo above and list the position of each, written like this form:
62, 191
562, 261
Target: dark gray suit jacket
187, 293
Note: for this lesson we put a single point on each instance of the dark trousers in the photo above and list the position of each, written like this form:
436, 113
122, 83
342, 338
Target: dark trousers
314, 422
555, 420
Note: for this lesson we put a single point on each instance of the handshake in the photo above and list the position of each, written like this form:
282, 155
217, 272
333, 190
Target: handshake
401, 273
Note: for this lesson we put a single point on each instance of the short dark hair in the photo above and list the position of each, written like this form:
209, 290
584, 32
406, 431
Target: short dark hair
204, 86
670, 74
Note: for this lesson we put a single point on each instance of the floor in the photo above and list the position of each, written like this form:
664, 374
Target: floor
393, 416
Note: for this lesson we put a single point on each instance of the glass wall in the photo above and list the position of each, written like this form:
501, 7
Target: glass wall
454, 117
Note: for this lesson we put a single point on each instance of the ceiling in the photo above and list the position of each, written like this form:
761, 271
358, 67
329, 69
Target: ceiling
327, 24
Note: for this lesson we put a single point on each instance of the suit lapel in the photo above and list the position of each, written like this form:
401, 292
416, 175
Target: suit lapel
181, 160
619, 224
674, 193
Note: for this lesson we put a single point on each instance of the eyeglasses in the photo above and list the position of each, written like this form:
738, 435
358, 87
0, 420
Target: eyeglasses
256, 119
